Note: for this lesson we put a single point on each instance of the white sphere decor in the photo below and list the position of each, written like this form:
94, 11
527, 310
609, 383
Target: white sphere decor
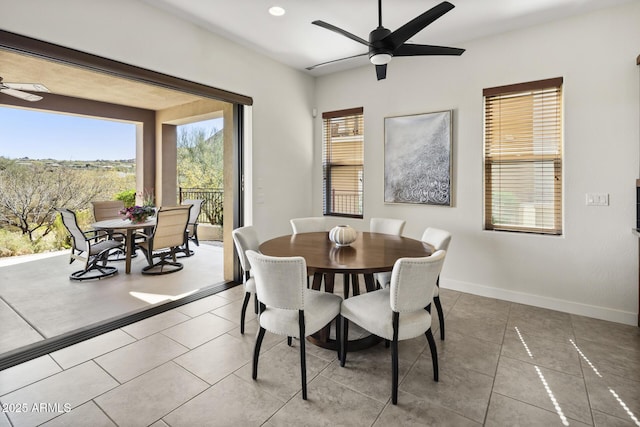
343, 235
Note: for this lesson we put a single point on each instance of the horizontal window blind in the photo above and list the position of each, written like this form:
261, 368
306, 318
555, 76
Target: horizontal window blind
342, 162
523, 157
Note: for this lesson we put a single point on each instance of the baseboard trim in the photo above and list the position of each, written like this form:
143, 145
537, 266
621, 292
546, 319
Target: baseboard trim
49, 345
565, 306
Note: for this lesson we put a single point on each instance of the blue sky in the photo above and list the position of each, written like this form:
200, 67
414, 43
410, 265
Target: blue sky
39, 135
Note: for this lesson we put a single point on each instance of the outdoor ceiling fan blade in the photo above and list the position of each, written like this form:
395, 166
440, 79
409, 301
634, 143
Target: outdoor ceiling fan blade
22, 95
425, 49
335, 60
32, 87
411, 28
381, 71
340, 31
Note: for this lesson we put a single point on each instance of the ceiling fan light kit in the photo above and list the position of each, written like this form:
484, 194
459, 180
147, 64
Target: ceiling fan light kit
380, 59
384, 44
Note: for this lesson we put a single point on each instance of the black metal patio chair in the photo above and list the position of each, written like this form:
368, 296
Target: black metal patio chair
91, 247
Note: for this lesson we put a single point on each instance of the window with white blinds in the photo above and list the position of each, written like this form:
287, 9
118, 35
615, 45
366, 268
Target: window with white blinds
343, 162
523, 157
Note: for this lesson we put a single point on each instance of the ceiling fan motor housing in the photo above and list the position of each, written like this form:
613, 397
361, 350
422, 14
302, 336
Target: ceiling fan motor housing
377, 43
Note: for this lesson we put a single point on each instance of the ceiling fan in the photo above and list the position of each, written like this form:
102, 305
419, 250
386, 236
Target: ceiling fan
384, 44
16, 89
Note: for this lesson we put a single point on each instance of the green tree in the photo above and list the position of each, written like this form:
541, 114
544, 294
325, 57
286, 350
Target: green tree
30, 193
200, 158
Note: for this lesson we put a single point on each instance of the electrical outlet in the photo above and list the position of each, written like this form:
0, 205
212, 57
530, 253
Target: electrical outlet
597, 199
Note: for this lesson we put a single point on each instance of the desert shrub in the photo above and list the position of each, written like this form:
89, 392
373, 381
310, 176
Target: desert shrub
14, 243
128, 197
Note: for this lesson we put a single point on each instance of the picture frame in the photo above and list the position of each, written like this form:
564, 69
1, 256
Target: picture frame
417, 158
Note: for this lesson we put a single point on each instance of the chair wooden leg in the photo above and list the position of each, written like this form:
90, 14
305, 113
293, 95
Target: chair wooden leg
345, 339
289, 341
303, 358
338, 336
255, 303
394, 359
247, 296
256, 351
436, 302
434, 353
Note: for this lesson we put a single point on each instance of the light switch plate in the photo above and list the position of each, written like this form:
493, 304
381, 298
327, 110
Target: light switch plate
597, 199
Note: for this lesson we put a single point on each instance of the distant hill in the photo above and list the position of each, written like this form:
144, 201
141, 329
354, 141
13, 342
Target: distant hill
125, 165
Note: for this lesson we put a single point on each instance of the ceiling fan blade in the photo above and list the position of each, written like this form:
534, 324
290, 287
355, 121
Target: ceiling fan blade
335, 60
22, 95
411, 28
425, 49
340, 31
381, 71
32, 87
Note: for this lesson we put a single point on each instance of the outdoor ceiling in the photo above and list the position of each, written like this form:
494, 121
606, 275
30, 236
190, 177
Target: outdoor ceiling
81, 83
293, 40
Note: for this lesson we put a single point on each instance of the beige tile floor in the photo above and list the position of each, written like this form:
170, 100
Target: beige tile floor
502, 364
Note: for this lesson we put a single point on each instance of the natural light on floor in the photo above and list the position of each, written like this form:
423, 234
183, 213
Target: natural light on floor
612, 391
157, 298
556, 405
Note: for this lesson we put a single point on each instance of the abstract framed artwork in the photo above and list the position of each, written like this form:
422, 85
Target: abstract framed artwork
417, 159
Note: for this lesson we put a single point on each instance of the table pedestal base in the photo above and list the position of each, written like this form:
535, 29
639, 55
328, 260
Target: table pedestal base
321, 338
354, 345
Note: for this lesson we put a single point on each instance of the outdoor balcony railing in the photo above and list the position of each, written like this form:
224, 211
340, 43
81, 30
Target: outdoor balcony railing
211, 212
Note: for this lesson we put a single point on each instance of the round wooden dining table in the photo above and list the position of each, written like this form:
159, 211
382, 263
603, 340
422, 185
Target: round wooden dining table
370, 253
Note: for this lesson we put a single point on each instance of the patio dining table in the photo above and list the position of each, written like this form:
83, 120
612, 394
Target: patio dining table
129, 228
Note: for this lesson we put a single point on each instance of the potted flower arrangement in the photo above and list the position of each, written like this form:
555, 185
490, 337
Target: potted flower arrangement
138, 214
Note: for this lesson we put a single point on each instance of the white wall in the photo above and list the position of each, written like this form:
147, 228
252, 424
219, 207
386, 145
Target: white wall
593, 268
139, 34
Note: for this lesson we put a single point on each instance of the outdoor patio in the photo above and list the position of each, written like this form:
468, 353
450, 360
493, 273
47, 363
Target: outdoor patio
38, 301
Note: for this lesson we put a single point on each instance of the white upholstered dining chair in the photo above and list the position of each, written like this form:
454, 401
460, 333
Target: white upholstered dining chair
386, 226
440, 240
397, 312
246, 238
308, 225
287, 307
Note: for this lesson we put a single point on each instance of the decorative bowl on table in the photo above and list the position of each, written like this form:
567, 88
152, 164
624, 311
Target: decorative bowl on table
343, 235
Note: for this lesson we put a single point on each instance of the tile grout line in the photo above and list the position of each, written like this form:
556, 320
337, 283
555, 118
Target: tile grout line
584, 380
104, 412
495, 374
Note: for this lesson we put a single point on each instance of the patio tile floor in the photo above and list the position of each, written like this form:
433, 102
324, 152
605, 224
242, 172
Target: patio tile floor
38, 301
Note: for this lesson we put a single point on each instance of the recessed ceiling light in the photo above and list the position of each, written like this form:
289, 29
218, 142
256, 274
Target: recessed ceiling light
276, 11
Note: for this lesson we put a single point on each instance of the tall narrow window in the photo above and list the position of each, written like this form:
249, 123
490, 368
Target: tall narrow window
342, 162
523, 157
